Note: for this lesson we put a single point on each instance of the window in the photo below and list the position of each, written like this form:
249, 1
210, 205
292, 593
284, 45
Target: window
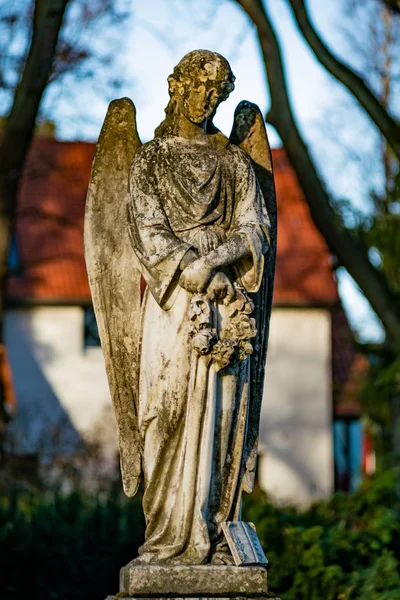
348, 451
13, 259
91, 336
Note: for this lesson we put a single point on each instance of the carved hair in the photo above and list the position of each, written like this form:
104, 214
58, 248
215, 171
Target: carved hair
199, 66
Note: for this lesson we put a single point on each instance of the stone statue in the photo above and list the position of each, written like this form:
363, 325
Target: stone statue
192, 215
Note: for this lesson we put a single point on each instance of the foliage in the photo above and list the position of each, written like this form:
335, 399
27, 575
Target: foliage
379, 232
70, 547
65, 547
347, 548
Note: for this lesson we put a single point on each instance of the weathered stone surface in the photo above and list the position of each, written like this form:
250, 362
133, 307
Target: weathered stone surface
195, 598
193, 214
218, 581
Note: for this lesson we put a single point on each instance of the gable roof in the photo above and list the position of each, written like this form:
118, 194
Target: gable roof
49, 232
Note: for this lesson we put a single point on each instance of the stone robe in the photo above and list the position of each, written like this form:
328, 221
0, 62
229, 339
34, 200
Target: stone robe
192, 419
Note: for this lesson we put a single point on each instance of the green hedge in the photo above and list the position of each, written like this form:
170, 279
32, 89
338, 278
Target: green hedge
66, 547
347, 548
56, 547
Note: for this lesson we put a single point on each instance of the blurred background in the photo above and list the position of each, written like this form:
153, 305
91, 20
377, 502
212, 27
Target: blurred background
326, 75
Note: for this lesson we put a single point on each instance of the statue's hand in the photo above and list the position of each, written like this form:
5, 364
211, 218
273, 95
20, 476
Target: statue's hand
195, 276
221, 287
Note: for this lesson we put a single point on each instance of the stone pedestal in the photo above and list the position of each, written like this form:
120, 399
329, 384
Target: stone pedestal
144, 582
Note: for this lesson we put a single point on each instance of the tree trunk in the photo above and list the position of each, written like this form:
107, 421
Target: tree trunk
393, 5
20, 124
389, 128
349, 251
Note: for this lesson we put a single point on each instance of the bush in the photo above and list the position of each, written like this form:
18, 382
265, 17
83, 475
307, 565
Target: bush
57, 547
347, 548
66, 547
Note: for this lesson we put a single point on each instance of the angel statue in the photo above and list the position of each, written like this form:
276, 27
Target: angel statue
180, 237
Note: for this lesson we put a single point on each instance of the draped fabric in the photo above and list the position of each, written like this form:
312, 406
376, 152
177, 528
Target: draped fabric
192, 419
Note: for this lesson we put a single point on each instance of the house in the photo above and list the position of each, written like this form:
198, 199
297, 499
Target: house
56, 361
310, 356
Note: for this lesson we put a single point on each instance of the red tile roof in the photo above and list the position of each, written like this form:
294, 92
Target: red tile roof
50, 226
303, 272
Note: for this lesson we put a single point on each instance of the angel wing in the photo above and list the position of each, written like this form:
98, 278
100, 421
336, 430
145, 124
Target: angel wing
248, 132
114, 277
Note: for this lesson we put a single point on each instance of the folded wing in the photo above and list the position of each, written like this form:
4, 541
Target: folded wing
249, 133
114, 277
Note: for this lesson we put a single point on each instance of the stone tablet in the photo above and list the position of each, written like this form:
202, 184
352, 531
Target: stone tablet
243, 543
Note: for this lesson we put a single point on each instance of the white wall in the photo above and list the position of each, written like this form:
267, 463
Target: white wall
61, 388
296, 443
63, 396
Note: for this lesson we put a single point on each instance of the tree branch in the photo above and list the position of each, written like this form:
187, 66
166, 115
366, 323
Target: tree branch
18, 131
349, 251
389, 128
21, 120
20, 123
393, 5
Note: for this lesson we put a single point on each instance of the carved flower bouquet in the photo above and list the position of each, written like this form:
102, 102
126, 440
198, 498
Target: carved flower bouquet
229, 343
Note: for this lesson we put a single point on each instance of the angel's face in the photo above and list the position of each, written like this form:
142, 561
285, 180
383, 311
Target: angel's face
201, 98
199, 103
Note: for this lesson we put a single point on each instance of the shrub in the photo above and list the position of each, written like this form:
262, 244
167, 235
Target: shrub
65, 547
347, 548
56, 547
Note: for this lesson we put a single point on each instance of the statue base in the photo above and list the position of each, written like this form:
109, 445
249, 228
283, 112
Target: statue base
183, 582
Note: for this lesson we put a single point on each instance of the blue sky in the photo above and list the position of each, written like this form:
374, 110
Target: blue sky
160, 32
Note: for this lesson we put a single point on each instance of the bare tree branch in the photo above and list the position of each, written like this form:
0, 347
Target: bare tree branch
393, 5
389, 128
349, 251
18, 131
21, 120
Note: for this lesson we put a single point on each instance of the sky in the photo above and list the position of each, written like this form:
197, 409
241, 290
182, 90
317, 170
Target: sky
159, 32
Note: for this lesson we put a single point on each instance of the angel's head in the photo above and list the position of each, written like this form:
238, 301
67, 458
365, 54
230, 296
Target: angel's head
199, 83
